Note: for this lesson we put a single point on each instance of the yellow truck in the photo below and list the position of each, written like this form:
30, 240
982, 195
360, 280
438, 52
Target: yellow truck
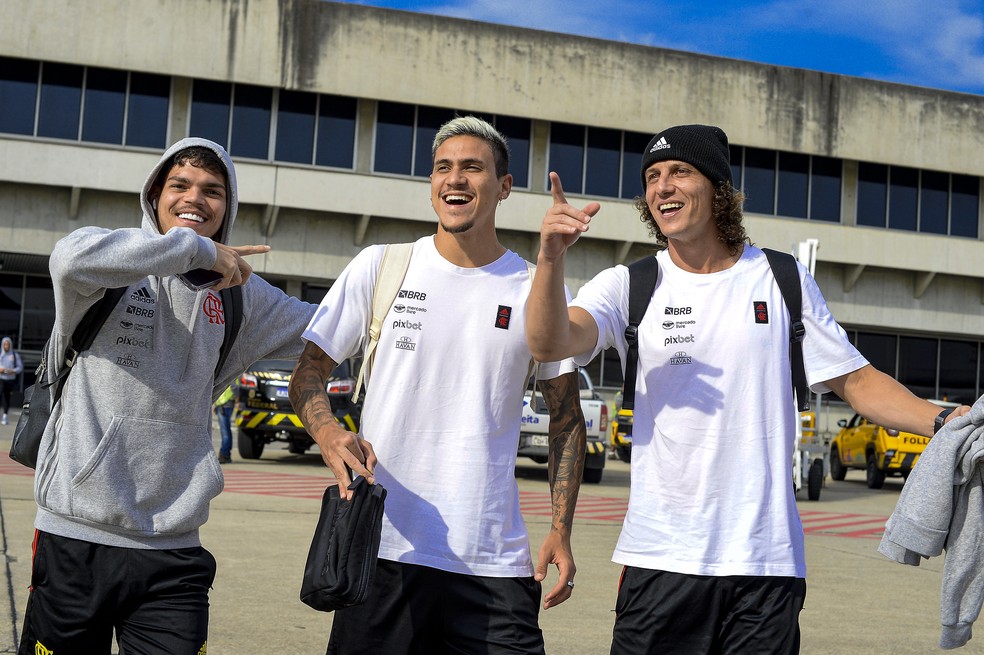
879, 451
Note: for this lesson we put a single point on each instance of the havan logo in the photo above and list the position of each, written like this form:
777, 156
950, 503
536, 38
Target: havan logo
405, 343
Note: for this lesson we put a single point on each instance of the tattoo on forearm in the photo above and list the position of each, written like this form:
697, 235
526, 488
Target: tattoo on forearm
307, 388
567, 445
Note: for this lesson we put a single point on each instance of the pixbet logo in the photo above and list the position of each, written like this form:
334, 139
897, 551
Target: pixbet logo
407, 325
689, 338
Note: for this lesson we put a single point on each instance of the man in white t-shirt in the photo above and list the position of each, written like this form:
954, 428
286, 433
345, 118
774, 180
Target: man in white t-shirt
712, 542
440, 425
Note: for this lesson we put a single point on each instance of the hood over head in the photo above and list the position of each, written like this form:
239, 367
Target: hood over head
8, 341
149, 221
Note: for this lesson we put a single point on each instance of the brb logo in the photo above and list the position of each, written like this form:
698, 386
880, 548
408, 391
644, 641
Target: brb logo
677, 311
412, 295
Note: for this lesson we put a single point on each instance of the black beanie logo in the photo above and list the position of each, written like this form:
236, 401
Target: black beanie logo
660, 145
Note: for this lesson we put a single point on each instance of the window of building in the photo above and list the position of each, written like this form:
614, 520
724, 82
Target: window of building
964, 205
793, 185
825, 188
18, 95
296, 122
633, 145
61, 101
918, 358
39, 312
518, 133
148, 104
98, 105
958, 371
601, 171
930, 367
394, 138
105, 105
910, 199
11, 301
597, 161
872, 194
336, 131
788, 184
210, 103
252, 109
565, 155
903, 198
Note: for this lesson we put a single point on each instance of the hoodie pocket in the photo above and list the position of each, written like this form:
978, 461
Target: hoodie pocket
148, 477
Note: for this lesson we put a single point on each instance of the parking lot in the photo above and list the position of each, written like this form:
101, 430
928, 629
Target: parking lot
858, 602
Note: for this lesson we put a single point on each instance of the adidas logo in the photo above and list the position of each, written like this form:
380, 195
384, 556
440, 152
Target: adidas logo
142, 295
660, 145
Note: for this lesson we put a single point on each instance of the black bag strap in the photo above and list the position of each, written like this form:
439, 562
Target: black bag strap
232, 307
642, 283
83, 335
787, 277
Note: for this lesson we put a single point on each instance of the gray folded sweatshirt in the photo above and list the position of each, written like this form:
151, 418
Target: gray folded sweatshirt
942, 508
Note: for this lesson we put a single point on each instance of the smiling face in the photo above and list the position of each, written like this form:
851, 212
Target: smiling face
191, 197
464, 187
681, 199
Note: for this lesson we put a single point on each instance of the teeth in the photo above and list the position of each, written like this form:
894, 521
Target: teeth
452, 198
192, 217
671, 205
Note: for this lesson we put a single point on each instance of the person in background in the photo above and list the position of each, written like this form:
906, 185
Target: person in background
11, 367
224, 407
712, 544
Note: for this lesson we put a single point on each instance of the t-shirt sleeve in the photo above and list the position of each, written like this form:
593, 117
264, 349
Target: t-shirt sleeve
827, 351
340, 324
606, 298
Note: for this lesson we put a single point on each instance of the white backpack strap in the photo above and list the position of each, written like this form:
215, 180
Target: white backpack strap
392, 270
531, 269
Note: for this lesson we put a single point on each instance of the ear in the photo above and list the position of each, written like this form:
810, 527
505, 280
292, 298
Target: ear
505, 186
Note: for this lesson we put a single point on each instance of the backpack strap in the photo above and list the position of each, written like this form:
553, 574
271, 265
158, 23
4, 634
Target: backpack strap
389, 278
83, 335
642, 282
232, 307
787, 277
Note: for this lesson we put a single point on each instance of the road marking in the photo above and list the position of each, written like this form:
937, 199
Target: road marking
531, 503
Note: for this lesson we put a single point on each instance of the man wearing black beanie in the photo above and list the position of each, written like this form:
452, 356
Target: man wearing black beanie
712, 543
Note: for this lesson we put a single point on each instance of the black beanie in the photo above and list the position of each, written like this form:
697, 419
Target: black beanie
702, 146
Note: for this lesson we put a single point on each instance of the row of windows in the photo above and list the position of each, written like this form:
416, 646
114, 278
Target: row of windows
109, 106
904, 198
63, 101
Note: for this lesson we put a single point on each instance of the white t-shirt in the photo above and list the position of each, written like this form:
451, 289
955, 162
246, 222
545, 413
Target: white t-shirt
714, 420
443, 405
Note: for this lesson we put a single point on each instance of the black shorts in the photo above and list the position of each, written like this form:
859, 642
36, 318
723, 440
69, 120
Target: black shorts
678, 614
417, 610
156, 600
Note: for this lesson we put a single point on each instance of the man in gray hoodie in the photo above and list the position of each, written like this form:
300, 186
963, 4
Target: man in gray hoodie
126, 468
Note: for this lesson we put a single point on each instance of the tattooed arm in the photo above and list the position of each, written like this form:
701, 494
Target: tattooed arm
566, 465
341, 450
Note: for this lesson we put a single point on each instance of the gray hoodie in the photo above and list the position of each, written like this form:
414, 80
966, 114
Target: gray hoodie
127, 459
942, 507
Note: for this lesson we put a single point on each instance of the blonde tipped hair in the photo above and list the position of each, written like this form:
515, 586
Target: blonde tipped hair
476, 127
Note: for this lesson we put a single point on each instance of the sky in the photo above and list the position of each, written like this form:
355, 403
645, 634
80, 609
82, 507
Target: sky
937, 44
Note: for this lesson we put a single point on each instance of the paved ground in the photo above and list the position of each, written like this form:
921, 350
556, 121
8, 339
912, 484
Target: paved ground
259, 530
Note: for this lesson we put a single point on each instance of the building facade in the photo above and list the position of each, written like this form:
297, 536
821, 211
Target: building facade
329, 109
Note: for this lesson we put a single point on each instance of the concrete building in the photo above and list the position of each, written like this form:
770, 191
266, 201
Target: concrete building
329, 109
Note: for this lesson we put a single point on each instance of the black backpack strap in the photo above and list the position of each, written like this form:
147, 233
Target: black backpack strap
83, 335
642, 283
787, 277
232, 307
